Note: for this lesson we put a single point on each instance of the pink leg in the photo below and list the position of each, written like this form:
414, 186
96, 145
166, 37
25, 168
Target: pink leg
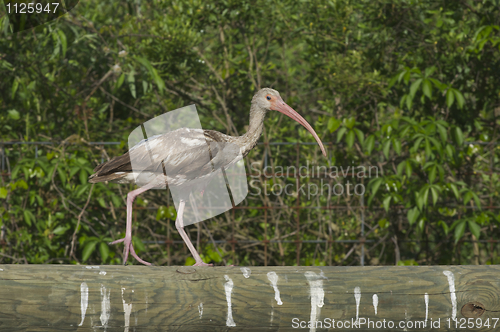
128, 231
180, 228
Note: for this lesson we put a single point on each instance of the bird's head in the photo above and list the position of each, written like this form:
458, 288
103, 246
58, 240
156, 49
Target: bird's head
270, 100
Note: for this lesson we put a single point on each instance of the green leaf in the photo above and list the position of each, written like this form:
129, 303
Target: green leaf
3, 192
161, 213
401, 74
393, 81
171, 212
459, 97
383, 223
340, 133
459, 230
214, 256
429, 71
450, 97
370, 144
387, 202
350, 122
104, 250
396, 143
60, 230
62, 175
88, 250
131, 83
138, 245
117, 202
375, 185
427, 88
350, 138
409, 169
446, 229
425, 196
386, 148
476, 200
360, 136
455, 190
403, 100
457, 136
409, 102
412, 215
83, 188
333, 124
401, 167
442, 133
64, 43
407, 76
83, 176
119, 81
416, 70
416, 146
435, 194
449, 150
414, 87
28, 216
428, 150
145, 62
158, 80
420, 201
101, 202
15, 85
421, 225
432, 174
467, 197
14, 115
407, 262
475, 229
190, 261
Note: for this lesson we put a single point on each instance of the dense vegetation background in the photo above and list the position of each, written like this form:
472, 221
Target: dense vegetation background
411, 88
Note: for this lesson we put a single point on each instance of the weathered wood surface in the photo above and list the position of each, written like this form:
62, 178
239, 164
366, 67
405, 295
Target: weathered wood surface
141, 298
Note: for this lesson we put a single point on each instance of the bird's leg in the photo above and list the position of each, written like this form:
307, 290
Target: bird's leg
128, 232
180, 227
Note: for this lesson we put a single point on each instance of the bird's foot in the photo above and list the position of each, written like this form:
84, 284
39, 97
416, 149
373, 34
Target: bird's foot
202, 264
129, 248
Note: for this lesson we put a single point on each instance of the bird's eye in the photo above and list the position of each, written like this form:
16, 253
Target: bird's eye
268, 97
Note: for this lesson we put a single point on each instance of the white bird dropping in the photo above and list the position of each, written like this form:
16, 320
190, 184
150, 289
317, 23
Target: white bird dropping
453, 295
84, 300
375, 302
317, 296
357, 297
273, 278
228, 287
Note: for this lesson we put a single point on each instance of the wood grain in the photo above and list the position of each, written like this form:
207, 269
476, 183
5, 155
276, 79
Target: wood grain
141, 298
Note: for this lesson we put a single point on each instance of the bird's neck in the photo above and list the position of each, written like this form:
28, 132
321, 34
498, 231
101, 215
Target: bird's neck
251, 137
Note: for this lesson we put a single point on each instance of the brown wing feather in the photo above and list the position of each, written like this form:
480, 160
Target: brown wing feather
106, 171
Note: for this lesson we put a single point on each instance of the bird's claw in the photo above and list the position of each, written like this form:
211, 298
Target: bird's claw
202, 264
129, 247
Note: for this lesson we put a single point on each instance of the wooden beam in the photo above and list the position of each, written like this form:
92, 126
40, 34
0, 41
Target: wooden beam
142, 298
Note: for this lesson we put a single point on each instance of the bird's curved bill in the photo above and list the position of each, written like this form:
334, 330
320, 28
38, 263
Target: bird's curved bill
283, 107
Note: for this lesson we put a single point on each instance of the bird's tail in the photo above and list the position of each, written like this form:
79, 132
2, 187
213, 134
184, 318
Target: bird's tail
113, 170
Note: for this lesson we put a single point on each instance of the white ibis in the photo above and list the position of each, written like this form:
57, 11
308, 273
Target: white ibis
176, 150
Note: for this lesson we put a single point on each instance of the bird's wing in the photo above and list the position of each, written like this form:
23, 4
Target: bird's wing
182, 155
